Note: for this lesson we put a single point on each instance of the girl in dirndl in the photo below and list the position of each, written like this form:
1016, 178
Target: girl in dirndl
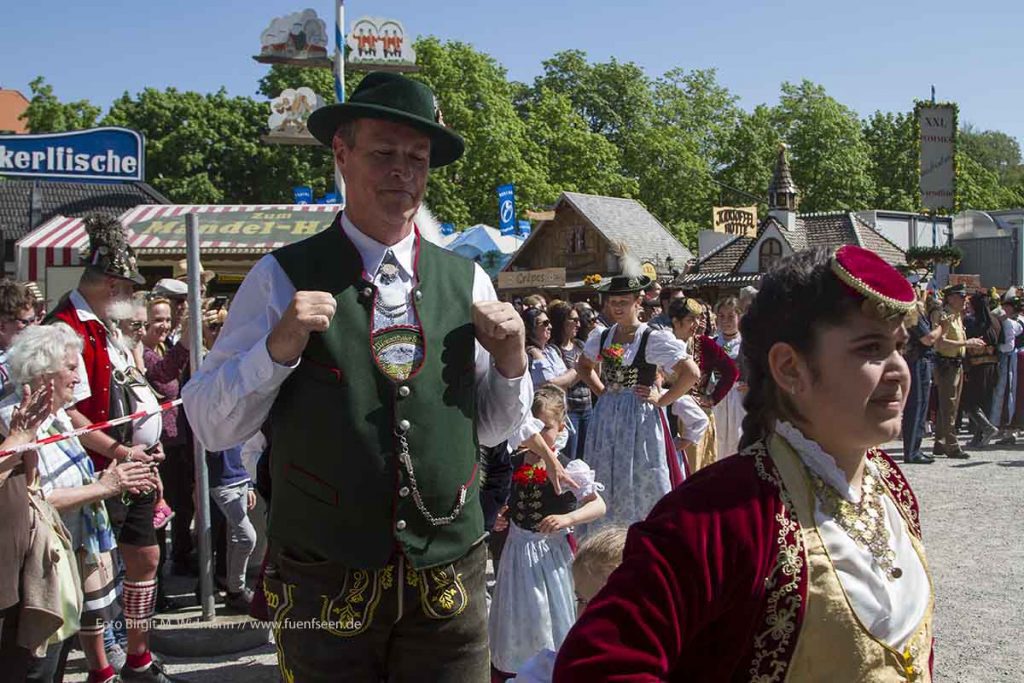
686, 315
534, 603
729, 412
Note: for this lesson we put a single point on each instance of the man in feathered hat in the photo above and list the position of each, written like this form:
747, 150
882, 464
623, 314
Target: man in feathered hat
380, 361
110, 387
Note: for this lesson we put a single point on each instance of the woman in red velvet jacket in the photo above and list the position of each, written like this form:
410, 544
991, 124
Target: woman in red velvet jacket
800, 558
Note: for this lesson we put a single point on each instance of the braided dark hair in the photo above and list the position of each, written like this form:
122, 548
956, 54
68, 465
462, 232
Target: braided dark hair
797, 297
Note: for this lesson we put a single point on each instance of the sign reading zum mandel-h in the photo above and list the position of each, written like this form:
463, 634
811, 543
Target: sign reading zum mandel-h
110, 154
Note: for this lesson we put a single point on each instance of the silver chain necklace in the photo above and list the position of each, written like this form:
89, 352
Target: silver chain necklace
406, 460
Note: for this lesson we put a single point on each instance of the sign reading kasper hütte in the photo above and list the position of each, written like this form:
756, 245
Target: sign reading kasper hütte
938, 151
735, 220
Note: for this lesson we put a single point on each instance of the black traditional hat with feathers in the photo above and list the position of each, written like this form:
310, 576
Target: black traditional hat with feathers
109, 252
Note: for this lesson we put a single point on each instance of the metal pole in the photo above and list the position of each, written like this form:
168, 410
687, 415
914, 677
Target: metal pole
339, 78
195, 333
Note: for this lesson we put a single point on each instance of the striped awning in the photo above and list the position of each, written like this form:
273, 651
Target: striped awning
159, 230
694, 280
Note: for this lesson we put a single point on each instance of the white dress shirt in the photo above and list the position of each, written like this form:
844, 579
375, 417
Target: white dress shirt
890, 609
230, 397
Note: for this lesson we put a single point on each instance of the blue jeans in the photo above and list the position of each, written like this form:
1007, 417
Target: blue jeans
916, 410
580, 420
1007, 381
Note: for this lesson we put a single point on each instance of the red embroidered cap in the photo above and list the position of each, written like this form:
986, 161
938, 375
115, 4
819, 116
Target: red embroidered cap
867, 275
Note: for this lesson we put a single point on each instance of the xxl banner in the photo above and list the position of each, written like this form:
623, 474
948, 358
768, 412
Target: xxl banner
108, 154
938, 154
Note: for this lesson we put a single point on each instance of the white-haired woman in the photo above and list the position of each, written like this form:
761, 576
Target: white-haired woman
48, 356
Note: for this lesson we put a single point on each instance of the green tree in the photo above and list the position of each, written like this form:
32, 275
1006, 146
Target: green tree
613, 97
831, 161
47, 114
575, 159
476, 100
747, 158
207, 148
978, 187
894, 160
993, 149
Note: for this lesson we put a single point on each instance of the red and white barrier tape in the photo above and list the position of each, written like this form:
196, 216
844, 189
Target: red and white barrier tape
96, 426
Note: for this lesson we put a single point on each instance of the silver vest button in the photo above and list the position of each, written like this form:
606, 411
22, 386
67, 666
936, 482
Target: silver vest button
404, 391
367, 292
418, 295
403, 492
400, 525
404, 425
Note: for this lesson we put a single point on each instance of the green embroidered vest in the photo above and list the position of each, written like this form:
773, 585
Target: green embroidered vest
341, 490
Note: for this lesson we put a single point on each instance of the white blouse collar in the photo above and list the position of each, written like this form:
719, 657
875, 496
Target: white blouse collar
818, 460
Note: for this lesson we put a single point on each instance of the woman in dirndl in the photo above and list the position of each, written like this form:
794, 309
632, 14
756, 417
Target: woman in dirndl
729, 412
713, 362
67, 480
629, 444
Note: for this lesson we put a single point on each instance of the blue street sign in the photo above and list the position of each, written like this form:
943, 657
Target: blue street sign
94, 154
447, 229
507, 209
303, 195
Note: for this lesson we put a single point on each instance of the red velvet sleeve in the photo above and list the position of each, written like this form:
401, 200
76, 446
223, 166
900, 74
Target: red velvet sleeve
720, 362
700, 553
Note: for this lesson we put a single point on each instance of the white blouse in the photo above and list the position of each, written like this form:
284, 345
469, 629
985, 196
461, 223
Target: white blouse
891, 610
663, 349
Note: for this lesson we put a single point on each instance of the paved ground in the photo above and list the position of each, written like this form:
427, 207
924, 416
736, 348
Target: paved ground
973, 518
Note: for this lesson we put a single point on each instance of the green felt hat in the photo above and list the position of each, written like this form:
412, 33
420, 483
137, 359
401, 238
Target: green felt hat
392, 97
625, 284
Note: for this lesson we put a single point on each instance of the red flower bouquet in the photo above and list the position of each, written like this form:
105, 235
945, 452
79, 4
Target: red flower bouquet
614, 354
530, 474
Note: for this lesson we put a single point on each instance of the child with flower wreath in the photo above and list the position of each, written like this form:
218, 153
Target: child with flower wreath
533, 606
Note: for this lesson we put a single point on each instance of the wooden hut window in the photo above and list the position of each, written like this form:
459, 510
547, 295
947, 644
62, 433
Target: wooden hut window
770, 254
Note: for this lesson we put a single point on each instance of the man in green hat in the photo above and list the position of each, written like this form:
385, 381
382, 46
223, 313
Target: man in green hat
378, 362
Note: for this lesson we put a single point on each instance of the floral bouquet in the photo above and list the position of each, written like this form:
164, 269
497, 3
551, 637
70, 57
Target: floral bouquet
613, 355
530, 474
592, 280
616, 375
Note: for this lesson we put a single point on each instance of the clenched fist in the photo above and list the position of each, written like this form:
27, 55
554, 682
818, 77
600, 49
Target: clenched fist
308, 312
500, 330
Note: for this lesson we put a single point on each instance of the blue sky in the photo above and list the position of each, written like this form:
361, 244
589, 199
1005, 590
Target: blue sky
869, 55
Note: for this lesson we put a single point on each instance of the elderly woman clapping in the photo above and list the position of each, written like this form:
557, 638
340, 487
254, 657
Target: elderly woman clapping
49, 356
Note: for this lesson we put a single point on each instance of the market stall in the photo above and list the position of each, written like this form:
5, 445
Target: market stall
234, 237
